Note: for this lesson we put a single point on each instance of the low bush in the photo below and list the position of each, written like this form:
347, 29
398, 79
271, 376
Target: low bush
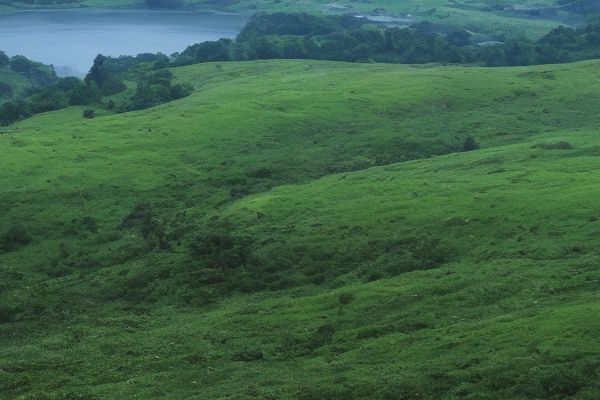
470, 144
143, 220
13, 238
89, 114
221, 249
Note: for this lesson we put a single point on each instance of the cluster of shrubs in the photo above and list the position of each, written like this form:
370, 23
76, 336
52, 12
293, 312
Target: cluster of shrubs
154, 84
105, 79
156, 88
346, 38
16, 236
221, 249
128, 66
144, 220
225, 258
38, 74
64, 93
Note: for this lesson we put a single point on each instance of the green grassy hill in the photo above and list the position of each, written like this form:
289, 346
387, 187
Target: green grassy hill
309, 230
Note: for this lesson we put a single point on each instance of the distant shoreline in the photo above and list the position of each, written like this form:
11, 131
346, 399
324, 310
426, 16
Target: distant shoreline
41, 35
123, 8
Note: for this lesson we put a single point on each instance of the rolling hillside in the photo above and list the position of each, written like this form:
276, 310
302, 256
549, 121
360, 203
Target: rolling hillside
309, 230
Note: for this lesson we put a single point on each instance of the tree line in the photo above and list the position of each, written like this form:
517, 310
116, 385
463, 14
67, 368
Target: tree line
37, 74
346, 38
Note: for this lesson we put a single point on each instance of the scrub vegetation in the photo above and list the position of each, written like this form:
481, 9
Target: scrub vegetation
347, 38
19, 76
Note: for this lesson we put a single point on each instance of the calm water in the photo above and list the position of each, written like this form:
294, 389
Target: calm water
71, 39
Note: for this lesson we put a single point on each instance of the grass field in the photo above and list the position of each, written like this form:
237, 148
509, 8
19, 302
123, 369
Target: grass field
309, 230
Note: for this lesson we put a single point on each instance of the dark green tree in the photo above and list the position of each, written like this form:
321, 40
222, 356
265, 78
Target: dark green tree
107, 82
470, 144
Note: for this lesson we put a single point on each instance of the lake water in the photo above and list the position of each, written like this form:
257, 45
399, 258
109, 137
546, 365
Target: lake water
71, 39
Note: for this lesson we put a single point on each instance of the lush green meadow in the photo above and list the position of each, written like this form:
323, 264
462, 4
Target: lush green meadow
309, 230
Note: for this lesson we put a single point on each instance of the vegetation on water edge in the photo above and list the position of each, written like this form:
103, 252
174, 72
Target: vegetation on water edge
153, 86
305, 36
18, 75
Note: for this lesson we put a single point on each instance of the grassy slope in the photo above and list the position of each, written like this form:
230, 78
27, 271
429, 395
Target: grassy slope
510, 315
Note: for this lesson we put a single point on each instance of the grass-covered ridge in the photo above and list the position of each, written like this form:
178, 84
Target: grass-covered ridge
285, 233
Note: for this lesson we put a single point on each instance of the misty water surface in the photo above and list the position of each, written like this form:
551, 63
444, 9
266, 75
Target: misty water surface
70, 39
